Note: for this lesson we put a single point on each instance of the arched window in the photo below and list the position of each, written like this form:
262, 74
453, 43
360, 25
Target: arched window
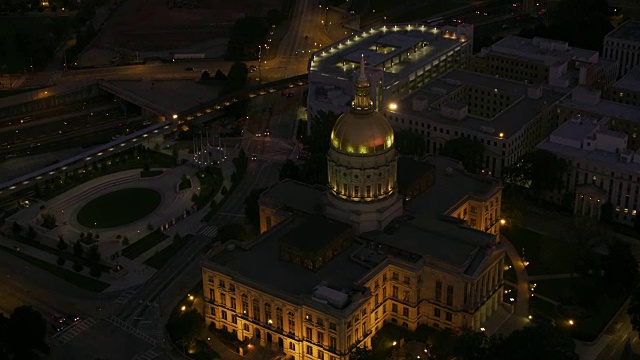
256, 309
245, 304
267, 313
292, 323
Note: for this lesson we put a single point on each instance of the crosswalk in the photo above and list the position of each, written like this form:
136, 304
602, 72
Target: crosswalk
210, 231
147, 355
125, 296
116, 321
68, 334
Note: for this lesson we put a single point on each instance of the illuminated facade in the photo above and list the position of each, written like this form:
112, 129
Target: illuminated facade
400, 59
323, 278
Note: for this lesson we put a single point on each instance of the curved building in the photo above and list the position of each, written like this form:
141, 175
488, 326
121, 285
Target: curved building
362, 166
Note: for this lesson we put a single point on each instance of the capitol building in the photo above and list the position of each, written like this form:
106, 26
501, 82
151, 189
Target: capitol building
387, 240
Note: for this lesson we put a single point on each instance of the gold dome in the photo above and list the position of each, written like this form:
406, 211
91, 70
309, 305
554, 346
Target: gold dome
362, 133
362, 130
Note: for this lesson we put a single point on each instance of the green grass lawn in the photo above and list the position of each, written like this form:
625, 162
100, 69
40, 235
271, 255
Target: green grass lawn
184, 184
210, 182
119, 208
69, 276
163, 256
141, 246
583, 300
546, 255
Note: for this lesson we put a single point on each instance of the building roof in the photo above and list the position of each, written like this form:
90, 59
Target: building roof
315, 233
578, 129
409, 170
508, 121
261, 265
629, 82
392, 40
539, 50
598, 158
452, 184
629, 30
295, 195
604, 108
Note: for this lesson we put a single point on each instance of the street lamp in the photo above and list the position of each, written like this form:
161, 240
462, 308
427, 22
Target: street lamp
259, 62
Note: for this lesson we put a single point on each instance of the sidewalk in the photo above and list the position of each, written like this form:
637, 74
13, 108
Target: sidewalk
520, 316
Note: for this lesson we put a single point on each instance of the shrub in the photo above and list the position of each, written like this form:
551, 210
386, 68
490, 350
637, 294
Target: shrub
61, 260
77, 265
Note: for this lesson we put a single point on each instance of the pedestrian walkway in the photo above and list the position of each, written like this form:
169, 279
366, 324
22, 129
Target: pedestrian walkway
553, 276
125, 296
69, 333
123, 325
520, 316
148, 355
210, 231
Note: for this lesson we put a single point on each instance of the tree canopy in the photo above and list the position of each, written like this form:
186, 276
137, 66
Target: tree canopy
22, 332
314, 169
289, 170
247, 34
538, 341
468, 151
410, 143
237, 77
539, 171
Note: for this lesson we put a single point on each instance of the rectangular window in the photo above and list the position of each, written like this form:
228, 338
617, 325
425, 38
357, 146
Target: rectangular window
449, 295
395, 276
333, 326
436, 312
224, 315
320, 355
368, 191
213, 310
234, 319
394, 292
320, 337
356, 191
232, 302
407, 280
438, 290
394, 308
212, 295
447, 316
333, 342
309, 350
292, 346
223, 299
405, 311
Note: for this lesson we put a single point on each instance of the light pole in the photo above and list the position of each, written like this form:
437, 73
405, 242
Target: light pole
260, 63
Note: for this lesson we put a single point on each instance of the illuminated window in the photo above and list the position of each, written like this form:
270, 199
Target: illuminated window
356, 191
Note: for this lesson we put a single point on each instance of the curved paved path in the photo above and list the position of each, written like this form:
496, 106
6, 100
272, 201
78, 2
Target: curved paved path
520, 316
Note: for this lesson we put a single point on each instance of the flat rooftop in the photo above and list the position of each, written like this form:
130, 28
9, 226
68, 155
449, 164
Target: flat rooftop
631, 81
576, 128
314, 234
629, 30
380, 44
598, 158
441, 240
452, 184
295, 195
541, 50
604, 108
166, 96
261, 265
508, 121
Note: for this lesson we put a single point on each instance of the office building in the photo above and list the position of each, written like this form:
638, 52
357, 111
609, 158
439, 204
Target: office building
622, 44
627, 89
545, 61
508, 117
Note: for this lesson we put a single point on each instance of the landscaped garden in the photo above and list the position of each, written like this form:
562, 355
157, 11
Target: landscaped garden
584, 295
544, 254
161, 257
119, 208
143, 245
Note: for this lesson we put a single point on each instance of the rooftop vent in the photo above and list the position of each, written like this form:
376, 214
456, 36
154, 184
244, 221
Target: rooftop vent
335, 298
448, 171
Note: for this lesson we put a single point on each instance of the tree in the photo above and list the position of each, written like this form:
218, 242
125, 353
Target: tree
634, 309
48, 221
537, 171
410, 143
220, 76
537, 341
245, 37
77, 265
31, 233
467, 151
94, 271
16, 229
238, 109
275, 17
361, 353
186, 327
125, 241
252, 208
206, 75
93, 254
77, 248
289, 170
61, 260
237, 77
620, 269
26, 331
62, 245
314, 169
